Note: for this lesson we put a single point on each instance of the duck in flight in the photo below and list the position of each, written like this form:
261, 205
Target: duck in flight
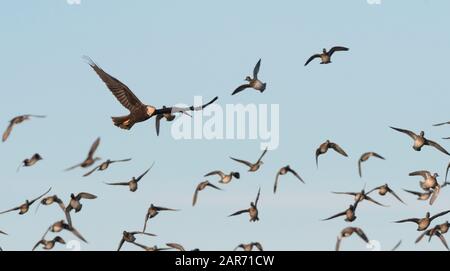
200, 187
52, 199
105, 165
30, 161
283, 171
420, 140
252, 211
61, 225
15, 121
224, 178
383, 190
139, 112
252, 166
350, 213
349, 231
253, 83
133, 183
360, 196
423, 223
153, 211
325, 56
75, 204
366, 157
429, 180
324, 147
90, 159
129, 237
49, 244
23, 209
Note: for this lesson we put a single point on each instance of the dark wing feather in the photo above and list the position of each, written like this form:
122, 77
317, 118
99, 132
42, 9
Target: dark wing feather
337, 49
7, 131
407, 132
436, 145
312, 58
256, 69
122, 93
94, 148
240, 88
239, 212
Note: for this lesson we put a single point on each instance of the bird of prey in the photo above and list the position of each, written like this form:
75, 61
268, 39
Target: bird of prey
253, 83
139, 112
325, 56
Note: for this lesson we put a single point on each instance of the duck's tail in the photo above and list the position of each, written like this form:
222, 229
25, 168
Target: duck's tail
123, 122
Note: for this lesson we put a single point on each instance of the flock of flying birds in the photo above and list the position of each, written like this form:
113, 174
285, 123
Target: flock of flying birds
429, 187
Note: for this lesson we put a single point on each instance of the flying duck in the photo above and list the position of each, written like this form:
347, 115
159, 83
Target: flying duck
254, 82
75, 204
139, 112
129, 237
200, 187
133, 183
423, 223
325, 56
31, 161
284, 171
15, 121
105, 165
153, 248
23, 209
252, 211
167, 116
252, 167
366, 157
429, 180
384, 189
61, 225
347, 232
420, 195
323, 148
430, 233
224, 178
52, 199
360, 196
420, 140
350, 213
153, 211
250, 246
49, 244
90, 159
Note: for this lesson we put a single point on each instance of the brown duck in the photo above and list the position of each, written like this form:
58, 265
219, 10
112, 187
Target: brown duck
366, 157
360, 196
54, 199
252, 211
283, 171
420, 140
433, 232
23, 209
90, 159
325, 56
383, 190
200, 187
324, 147
349, 231
423, 223
30, 161
254, 82
139, 112
75, 204
429, 180
154, 211
250, 246
224, 178
105, 165
133, 183
252, 166
49, 244
61, 225
129, 237
15, 121
350, 213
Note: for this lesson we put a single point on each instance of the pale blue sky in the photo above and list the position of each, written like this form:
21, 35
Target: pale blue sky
169, 51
